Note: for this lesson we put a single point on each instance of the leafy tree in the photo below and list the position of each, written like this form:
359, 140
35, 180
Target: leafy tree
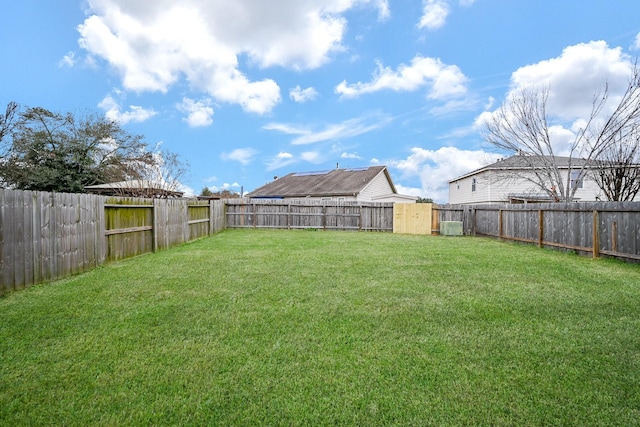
523, 125
206, 192
424, 200
64, 153
221, 194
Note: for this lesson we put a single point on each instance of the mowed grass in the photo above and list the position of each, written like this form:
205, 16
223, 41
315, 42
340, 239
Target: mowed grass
328, 328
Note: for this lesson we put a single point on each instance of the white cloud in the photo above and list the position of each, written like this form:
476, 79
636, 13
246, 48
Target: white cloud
444, 80
637, 42
135, 113
409, 191
243, 155
490, 102
199, 113
435, 168
284, 128
346, 155
153, 45
572, 80
224, 186
347, 129
311, 156
303, 95
383, 9
282, 159
68, 60
434, 14
576, 76
188, 191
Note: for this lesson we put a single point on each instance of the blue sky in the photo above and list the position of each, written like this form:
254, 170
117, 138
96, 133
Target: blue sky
246, 90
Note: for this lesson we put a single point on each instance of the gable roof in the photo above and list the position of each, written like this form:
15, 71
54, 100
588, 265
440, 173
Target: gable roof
522, 162
335, 182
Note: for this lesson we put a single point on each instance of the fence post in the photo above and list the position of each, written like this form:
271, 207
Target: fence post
473, 221
596, 234
211, 211
499, 223
540, 227
154, 224
324, 217
614, 236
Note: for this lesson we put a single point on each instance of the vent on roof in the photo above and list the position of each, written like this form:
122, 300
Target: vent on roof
311, 173
356, 169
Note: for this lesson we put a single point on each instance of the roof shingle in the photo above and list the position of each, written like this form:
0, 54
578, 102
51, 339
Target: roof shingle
336, 182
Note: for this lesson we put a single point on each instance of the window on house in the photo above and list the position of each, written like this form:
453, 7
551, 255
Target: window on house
576, 179
473, 184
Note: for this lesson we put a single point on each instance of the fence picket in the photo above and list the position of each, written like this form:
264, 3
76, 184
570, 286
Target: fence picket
564, 226
48, 236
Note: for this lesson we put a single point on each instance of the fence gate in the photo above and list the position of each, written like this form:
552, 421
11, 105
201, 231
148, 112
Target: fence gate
412, 218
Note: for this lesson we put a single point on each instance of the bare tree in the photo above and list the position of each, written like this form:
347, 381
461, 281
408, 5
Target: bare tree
618, 168
522, 125
7, 124
160, 178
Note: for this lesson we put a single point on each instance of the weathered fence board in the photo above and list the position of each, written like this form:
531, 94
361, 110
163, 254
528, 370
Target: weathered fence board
216, 216
48, 236
607, 228
326, 215
129, 227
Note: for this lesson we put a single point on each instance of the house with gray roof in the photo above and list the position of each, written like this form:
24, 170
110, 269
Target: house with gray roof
505, 181
366, 184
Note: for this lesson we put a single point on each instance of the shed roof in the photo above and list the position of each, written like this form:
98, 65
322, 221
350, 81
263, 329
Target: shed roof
334, 182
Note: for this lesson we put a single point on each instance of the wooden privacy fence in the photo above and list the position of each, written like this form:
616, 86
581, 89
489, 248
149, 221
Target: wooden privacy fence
135, 226
607, 228
48, 236
325, 215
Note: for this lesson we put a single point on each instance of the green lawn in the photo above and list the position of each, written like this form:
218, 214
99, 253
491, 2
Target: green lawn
328, 328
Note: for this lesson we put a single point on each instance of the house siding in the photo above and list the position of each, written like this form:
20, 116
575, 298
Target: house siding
379, 186
491, 189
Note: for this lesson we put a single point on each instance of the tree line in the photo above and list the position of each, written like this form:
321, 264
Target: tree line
42, 150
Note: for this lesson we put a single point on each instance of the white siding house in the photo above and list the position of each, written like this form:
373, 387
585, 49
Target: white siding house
504, 182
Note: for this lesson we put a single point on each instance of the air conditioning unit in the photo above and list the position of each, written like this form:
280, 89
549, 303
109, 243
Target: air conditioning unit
451, 228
